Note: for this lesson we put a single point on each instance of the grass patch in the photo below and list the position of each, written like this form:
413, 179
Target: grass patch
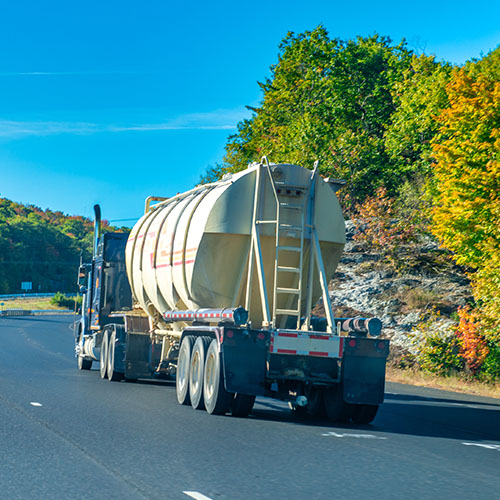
451, 383
28, 304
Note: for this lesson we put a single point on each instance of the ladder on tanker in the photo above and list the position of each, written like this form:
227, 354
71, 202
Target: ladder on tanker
291, 295
286, 291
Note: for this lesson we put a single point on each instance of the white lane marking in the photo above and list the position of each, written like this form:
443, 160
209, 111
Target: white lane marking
196, 495
358, 436
34, 403
488, 446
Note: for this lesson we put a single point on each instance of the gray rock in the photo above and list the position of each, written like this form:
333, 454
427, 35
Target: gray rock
364, 283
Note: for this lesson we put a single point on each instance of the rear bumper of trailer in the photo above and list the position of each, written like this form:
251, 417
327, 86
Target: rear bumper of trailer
255, 359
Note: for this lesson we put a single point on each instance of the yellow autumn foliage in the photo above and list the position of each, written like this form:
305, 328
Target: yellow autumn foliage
466, 217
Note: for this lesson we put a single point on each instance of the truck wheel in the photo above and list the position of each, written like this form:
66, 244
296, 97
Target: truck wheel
217, 399
103, 359
83, 363
242, 405
182, 373
113, 375
196, 372
364, 414
336, 408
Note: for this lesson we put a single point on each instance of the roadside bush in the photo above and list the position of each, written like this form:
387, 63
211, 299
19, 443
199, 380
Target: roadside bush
440, 355
463, 349
490, 370
61, 300
473, 345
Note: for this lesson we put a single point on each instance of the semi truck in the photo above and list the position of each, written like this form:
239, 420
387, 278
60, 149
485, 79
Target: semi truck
216, 287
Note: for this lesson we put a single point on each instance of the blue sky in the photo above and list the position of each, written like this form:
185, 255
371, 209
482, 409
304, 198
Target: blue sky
112, 101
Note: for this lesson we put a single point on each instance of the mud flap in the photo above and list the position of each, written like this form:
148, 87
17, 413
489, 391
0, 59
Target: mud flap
137, 356
244, 360
364, 371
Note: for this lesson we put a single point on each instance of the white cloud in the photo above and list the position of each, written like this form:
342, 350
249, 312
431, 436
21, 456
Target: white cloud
220, 119
15, 129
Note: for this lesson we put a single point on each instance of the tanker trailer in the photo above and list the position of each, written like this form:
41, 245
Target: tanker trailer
223, 279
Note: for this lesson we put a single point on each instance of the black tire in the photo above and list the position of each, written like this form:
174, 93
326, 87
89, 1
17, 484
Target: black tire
197, 372
337, 410
113, 375
84, 363
182, 372
242, 405
217, 399
364, 414
103, 358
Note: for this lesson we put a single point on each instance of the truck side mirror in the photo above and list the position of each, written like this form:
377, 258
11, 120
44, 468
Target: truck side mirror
83, 274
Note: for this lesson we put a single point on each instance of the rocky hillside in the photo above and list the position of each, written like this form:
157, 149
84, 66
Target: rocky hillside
367, 284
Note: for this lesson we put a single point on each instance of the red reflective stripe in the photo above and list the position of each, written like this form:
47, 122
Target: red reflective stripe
282, 334
315, 353
320, 337
286, 351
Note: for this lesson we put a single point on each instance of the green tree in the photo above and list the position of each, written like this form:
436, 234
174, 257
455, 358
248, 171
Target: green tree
419, 97
467, 201
42, 246
326, 99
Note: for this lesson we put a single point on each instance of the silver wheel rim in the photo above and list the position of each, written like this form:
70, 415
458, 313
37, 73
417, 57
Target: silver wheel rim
103, 361
111, 357
182, 370
210, 375
80, 351
195, 371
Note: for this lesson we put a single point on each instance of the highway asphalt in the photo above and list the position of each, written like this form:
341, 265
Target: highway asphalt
67, 434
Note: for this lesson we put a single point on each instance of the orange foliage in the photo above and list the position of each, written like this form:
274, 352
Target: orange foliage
473, 345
